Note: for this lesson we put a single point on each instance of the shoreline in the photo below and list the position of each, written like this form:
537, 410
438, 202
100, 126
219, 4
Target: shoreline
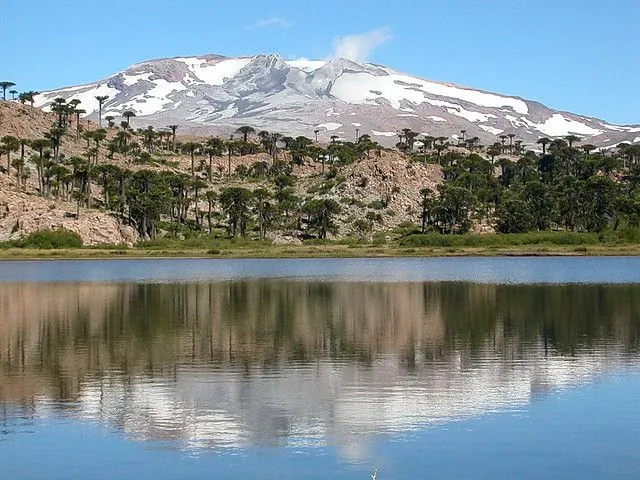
317, 251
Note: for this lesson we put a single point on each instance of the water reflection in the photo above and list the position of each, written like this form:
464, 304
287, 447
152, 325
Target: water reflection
276, 362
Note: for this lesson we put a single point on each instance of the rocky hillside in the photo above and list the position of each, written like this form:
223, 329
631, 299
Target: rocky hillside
214, 94
23, 211
382, 188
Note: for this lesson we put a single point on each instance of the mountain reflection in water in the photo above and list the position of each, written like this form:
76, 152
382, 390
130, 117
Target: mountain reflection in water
275, 362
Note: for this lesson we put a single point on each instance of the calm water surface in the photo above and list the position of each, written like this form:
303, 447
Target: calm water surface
421, 368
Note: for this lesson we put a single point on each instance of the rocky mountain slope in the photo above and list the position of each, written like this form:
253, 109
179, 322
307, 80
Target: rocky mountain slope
215, 94
23, 212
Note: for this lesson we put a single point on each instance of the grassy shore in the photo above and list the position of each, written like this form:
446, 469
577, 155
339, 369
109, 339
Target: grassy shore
320, 251
624, 242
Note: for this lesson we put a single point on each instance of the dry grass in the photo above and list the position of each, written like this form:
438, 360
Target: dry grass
320, 251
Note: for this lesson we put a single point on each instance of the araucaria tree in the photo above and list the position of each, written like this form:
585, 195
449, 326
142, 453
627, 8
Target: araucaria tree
4, 85
264, 209
321, 215
127, 115
245, 131
173, 129
25, 97
9, 144
236, 204
101, 99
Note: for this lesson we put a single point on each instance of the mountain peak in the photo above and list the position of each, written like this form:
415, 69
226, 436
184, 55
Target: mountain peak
211, 93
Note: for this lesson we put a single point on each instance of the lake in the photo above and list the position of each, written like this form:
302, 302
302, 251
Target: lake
420, 368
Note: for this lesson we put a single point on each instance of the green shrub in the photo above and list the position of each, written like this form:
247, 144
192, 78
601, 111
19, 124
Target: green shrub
201, 242
377, 205
50, 239
624, 235
317, 241
109, 246
332, 172
427, 240
499, 239
405, 229
374, 217
379, 238
144, 158
350, 241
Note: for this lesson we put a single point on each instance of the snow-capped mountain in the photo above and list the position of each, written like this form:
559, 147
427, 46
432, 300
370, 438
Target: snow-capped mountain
215, 94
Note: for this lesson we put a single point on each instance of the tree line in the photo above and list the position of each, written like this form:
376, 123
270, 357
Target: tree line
167, 199
569, 186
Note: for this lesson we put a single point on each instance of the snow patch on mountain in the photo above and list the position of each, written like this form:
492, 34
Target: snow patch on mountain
620, 128
559, 126
216, 73
330, 126
306, 65
614, 127
365, 88
130, 80
469, 115
471, 96
491, 130
383, 134
155, 99
87, 97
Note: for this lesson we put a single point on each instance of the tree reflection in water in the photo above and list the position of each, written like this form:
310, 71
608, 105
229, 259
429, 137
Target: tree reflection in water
235, 363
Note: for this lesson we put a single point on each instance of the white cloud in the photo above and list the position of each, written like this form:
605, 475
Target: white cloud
358, 47
271, 21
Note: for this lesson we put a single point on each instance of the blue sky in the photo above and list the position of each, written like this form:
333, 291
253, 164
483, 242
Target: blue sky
576, 55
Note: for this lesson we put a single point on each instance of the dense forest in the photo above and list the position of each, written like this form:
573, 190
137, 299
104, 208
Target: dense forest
565, 188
